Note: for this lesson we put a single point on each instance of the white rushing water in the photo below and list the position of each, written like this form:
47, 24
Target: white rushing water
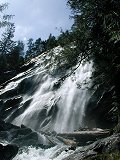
74, 97
54, 153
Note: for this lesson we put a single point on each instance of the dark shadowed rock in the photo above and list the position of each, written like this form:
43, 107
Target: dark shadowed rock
25, 67
8, 152
7, 126
100, 105
5, 76
23, 136
12, 102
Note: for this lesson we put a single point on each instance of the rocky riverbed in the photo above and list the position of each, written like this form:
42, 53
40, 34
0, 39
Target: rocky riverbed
13, 139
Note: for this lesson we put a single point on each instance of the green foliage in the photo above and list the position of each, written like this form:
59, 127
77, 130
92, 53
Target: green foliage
15, 58
30, 50
69, 56
6, 45
51, 42
65, 38
38, 47
11, 52
6, 42
96, 25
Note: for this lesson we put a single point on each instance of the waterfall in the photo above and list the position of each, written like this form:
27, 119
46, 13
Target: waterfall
67, 103
45, 98
74, 97
49, 103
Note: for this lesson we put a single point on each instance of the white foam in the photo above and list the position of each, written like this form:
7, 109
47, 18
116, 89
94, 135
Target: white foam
54, 153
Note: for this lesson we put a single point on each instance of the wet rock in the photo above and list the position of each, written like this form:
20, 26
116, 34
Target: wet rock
25, 67
8, 152
106, 145
5, 76
18, 111
23, 136
9, 94
7, 126
12, 102
57, 85
9, 105
71, 148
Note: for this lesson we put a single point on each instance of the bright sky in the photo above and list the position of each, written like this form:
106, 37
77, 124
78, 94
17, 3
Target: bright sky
39, 18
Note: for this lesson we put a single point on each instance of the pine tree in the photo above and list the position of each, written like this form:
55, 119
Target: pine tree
51, 42
4, 18
30, 50
6, 42
16, 56
38, 47
6, 45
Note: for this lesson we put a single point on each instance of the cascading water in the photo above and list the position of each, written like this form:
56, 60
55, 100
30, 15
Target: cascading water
74, 96
49, 103
69, 103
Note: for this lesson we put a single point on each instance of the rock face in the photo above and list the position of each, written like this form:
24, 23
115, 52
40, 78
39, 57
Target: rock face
23, 136
6, 76
106, 145
99, 111
8, 152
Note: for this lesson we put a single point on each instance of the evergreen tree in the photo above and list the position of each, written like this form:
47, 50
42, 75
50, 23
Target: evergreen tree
30, 50
51, 42
65, 38
16, 56
4, 18
38, 46
6, 45
6, 42
21, 45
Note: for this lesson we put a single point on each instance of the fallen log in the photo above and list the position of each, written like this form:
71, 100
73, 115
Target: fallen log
84, 137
